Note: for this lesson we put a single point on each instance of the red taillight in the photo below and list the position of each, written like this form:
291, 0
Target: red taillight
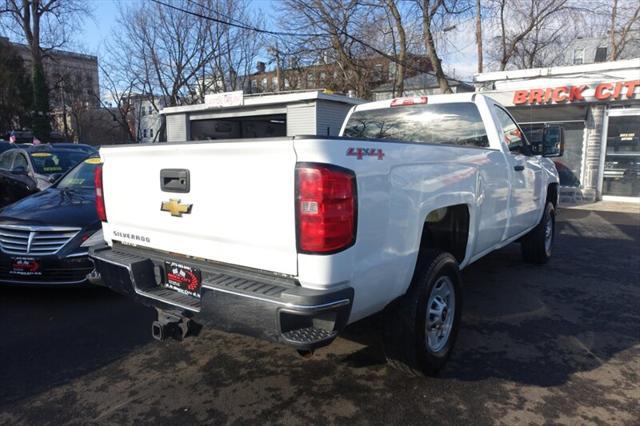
414, 100
325, 208
100, 209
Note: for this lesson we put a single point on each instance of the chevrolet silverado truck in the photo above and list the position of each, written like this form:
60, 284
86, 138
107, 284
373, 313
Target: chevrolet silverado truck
291, 239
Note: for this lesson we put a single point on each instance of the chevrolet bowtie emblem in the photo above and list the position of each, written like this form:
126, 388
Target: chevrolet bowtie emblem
175, 208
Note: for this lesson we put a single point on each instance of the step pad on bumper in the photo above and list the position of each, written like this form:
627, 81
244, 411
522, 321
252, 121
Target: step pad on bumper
308, 335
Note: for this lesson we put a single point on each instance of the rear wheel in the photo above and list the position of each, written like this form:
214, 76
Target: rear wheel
421, 328
538, 243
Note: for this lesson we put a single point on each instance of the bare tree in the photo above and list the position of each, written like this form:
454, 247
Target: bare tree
526, 26
118, 97
173, 52
44, 25
435, 16
402, 46
236, 49
624, 28
330, 29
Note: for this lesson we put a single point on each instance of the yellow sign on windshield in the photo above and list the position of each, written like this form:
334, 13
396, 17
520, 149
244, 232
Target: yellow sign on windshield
41, 154
93, 161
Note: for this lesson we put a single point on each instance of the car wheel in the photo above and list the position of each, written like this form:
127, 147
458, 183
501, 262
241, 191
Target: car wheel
421, 329
537, 244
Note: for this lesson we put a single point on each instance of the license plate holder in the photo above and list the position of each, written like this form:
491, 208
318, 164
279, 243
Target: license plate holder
182, 278
25, 266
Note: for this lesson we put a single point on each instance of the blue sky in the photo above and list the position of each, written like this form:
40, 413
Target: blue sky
105, 13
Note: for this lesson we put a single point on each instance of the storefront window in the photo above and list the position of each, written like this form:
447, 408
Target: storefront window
570, 164
622, 159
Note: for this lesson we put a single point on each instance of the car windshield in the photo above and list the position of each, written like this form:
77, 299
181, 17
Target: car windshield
50, 162
82, 177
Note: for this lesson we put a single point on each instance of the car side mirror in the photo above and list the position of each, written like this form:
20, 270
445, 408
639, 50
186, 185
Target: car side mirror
20, 170
552, 141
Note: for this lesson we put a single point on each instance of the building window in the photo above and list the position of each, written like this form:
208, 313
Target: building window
150, 133
274, 83
311, 80
578, 56
142, 111
150, 110
144, 133
378, 70
601, 54
254, 85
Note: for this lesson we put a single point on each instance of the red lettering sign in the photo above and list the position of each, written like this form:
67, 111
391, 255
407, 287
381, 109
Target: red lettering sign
601, 95
576, 93
563, 94
520, 97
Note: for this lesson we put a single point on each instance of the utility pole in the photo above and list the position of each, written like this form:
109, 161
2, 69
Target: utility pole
479, 34
612, 32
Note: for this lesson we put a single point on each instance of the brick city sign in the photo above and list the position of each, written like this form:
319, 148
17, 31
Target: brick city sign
569, 94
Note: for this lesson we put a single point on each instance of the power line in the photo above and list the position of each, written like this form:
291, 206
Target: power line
231, 24
291, 34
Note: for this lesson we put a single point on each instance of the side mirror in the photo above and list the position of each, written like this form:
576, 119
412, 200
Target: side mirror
552, 141
20, 170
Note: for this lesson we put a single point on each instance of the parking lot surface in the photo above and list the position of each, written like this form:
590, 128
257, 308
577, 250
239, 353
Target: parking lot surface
556, 343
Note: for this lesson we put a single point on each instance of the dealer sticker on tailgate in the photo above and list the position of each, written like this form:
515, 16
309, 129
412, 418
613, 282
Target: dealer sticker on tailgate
183, 279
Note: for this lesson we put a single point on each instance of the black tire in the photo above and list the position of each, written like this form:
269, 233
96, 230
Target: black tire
405, 337
534, 244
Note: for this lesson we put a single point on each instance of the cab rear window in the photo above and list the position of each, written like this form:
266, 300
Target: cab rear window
448, 124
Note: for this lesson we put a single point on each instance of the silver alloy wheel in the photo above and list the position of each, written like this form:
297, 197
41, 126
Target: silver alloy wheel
440, 313
548, 235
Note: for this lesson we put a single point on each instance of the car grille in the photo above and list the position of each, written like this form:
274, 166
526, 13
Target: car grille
34, 240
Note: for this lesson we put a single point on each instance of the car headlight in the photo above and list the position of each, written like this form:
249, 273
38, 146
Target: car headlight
95, 239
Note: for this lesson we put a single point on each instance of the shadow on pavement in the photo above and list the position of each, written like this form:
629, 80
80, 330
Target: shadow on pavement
53, 335
540, 324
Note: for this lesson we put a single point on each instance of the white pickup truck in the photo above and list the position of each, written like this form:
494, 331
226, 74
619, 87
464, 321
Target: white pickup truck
291, 239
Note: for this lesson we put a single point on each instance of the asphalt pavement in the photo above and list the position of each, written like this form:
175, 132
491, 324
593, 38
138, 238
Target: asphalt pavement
558, 343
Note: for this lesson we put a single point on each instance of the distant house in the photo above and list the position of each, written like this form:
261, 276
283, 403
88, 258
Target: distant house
597, 49
419, 85
374, 70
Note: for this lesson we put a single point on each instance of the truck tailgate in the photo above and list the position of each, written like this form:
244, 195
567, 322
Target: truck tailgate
241, 199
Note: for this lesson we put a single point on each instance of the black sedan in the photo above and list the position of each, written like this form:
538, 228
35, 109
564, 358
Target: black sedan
25, 170
44, 238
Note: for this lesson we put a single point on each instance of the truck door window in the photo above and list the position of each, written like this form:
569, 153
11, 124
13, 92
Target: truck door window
512, 135
448, 124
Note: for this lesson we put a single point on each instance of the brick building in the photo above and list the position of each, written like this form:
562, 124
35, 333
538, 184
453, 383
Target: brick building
373, 71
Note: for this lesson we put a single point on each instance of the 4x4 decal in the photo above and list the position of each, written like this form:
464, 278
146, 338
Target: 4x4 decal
365, 152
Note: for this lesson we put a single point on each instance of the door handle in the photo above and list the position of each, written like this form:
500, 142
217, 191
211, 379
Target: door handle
518, 168
174, 180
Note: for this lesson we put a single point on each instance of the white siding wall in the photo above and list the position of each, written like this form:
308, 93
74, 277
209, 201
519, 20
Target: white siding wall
177, 128
330, 115
301, 119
